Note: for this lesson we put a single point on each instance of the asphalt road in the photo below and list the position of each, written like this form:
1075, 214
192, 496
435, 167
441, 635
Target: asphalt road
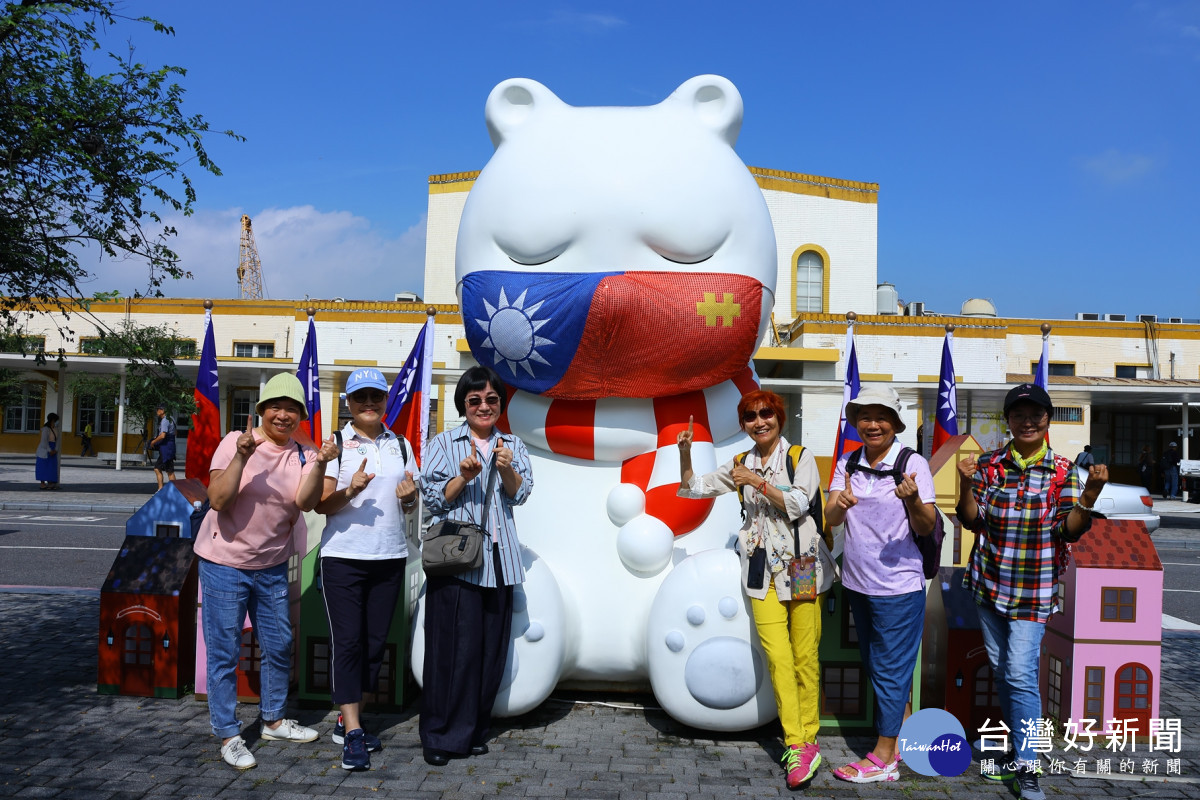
73, 550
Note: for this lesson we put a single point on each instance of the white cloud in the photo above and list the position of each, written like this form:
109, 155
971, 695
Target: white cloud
1114, 167
303, 251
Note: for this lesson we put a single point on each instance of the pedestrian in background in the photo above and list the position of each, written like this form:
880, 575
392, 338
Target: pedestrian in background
1170, 471
46, 465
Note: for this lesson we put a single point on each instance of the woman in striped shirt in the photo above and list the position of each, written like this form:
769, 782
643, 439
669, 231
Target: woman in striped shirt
468, 617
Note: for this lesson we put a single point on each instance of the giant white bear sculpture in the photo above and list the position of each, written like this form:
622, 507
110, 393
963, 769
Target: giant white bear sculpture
617, 267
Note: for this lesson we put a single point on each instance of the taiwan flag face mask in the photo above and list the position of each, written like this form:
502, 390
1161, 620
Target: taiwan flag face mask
582, 336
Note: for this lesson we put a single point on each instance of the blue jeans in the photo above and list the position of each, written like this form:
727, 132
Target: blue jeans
1171, 481
889, 634
230, 593
1014, 650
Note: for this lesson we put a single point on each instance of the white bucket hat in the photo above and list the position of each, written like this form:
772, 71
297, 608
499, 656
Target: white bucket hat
876, 395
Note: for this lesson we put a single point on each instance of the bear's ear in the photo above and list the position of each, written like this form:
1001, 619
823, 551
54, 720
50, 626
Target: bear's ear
715, 101
510, 104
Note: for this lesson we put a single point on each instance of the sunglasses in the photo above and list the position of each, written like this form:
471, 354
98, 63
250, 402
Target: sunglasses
762, 413
475, 401
363, 395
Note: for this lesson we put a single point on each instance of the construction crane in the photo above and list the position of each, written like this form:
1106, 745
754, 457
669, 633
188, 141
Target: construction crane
249, 270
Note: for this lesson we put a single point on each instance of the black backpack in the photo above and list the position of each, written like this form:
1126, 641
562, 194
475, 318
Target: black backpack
931, 545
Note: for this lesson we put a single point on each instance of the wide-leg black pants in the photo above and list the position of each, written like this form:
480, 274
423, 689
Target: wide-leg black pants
467, 631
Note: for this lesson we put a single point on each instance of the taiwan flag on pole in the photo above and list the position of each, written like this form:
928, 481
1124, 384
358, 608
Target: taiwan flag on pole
847, 436
310, 379
945, 422
205, 434
1042, 376
407, 412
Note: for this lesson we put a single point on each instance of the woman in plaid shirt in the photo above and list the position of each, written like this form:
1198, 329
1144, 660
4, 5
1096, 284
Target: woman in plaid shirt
1024, 504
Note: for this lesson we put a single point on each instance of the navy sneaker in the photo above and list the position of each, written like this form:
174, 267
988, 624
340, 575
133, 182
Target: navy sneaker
339, 737
354, 751
1027, 783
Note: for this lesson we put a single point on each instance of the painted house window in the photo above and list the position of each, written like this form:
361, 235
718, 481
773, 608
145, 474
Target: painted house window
1093, 692
138, 645
253, 349
810, 282
1054, 688
842, 690
1118, 604
25, 415
318, 664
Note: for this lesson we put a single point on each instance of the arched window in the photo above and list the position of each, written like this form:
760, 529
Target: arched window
810, 282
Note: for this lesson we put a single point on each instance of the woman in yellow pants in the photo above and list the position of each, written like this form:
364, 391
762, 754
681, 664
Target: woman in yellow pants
786, 565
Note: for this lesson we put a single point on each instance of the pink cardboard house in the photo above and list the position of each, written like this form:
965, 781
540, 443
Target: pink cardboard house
1101, 657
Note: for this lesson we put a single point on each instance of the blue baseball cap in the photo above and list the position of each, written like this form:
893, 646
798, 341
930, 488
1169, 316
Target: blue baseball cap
366, 378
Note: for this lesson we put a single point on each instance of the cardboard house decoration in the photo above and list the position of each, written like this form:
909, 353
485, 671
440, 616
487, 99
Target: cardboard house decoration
168, 512
147, 619
956, 674
1102, 656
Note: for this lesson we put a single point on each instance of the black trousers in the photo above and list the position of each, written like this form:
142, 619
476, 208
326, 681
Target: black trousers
467, 631
360, 600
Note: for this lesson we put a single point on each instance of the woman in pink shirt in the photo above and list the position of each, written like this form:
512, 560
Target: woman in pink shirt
259, 483
882, 577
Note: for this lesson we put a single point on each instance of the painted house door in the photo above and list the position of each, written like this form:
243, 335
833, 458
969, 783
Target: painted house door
249, 667
985, 699
137, 660
1134, 687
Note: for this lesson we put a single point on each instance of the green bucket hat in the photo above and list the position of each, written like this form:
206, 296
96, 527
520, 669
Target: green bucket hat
285, 384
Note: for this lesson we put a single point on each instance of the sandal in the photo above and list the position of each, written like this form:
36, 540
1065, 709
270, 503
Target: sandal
884, 772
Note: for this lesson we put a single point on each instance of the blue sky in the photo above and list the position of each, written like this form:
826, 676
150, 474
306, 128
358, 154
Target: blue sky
1044, 154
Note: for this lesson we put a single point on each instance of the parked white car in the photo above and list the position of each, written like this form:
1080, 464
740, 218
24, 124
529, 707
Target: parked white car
1122, 501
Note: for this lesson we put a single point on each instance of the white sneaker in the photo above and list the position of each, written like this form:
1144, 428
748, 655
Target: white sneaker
288, 731
236, 755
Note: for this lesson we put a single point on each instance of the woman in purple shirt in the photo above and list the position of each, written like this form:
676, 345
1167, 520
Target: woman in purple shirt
882, 577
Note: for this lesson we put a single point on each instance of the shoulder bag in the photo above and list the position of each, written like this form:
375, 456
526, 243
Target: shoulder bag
452, 547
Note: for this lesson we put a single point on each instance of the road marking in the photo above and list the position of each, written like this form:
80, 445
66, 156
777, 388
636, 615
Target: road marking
29, 522
1181, 563
1192, 591
51, 518
29, 547
1170, 623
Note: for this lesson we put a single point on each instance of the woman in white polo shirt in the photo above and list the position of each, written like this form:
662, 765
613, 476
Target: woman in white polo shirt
368, 490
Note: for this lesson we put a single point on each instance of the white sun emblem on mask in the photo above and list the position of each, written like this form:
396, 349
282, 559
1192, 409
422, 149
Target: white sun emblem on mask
512, 332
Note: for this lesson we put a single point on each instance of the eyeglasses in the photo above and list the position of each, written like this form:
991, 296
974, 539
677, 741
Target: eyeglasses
1028, 419
364, 395
475, 401
763, 413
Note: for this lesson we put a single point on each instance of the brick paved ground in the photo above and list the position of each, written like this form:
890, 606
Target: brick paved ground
59, 739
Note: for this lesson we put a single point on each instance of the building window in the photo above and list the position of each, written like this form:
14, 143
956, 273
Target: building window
1068, 414
1130, 433
101, 417
842, 690
810, 282
1132, 371
1119, 604
25, 415
253, 349
1054, 688
21, 343
1093, 692
241, 407
1054, 368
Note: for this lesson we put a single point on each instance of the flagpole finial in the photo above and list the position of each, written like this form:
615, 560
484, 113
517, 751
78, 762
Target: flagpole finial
851, 316
949, 328
1045, 329
312, 312
208, 304
431, 311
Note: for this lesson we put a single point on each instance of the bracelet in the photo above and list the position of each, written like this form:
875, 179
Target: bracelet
761, 488
1082, 507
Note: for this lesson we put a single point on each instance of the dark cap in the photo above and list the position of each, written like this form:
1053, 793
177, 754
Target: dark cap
1028, 391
